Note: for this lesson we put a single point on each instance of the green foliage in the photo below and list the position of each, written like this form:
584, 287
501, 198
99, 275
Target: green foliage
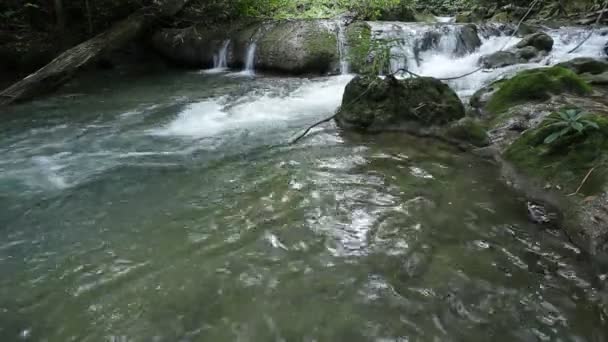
282, 9
568, 121
568, 159
536, 85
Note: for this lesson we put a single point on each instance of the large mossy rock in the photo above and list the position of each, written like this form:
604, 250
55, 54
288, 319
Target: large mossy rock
584, 65
298, 47
566, 163
535, 85
291, 47
373, 104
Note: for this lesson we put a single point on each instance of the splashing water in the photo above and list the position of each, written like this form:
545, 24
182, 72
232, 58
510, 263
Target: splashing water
442, 61
220, 59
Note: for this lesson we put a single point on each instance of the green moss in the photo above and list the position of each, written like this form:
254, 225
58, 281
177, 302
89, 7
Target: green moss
567, 161
536, 85
468, 130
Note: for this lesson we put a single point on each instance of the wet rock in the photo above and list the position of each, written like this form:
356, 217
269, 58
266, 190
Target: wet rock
539, 214
499, 59
597, 79
532, 48
298, 47
535, 85
586, 65
468, 40
527, 53
373, 104
540, 40
293, 47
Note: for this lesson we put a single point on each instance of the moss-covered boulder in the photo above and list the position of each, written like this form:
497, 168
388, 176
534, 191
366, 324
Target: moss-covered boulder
298, 47
536, 85
584, 65
577, 166
567, 160
373, 104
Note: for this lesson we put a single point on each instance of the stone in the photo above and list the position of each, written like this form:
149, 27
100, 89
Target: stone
371, 104
586, 65
298, 47
468, 40
527, 53
536, 85
292, 47
540, 40
499, 59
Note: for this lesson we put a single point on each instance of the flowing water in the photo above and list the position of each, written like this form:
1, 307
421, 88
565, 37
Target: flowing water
168, 207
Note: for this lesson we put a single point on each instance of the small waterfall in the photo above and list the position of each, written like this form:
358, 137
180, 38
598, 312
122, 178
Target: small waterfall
220, 60
343, 49
250, 60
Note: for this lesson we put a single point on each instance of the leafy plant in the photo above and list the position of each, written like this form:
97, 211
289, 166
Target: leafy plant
568, 121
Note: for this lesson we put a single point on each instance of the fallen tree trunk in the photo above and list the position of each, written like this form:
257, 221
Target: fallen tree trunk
71, 61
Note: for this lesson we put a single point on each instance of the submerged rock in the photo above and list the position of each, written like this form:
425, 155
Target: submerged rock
532, 48
374, 104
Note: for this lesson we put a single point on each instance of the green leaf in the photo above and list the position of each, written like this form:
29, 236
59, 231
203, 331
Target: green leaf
551, 138
564, 115
578, 126
558, 124
590, 123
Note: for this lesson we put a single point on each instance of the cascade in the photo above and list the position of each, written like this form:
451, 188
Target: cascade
250, 60
220, 60
343, 49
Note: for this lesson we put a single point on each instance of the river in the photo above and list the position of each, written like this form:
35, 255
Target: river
168, 206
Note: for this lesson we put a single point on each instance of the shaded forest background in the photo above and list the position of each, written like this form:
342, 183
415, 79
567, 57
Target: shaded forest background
33, 32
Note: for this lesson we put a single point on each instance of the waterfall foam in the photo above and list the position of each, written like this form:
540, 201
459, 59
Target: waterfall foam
250, 60
343, 49
273, 108
441, 60
220, 59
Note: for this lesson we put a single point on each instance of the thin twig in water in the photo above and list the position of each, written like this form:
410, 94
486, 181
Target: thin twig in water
599, 18
583, 182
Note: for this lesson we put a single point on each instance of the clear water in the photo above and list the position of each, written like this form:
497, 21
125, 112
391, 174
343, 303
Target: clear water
168, 207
